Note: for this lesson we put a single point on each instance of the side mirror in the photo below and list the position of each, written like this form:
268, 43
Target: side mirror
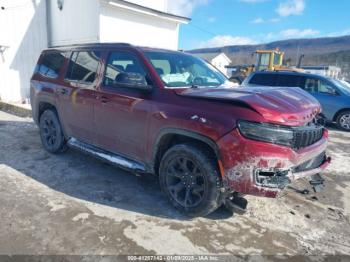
132, 80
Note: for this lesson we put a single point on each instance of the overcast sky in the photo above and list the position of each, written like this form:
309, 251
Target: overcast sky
230, 22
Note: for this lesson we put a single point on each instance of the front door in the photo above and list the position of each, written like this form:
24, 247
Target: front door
325, 93
77, 95
121, 113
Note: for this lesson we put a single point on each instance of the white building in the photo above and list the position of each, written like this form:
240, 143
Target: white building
29, 26
219, 60
331, 71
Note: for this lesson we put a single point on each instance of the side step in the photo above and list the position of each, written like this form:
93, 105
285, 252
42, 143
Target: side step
114, 159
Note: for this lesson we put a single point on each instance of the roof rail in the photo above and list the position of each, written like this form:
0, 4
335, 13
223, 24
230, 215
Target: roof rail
89, 45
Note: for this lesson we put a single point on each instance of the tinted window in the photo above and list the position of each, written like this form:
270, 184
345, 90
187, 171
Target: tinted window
288, 80
263, 79
83, 66
50, 64
121, 62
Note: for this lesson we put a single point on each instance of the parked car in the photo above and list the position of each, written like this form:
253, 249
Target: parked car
168, 113
334, 95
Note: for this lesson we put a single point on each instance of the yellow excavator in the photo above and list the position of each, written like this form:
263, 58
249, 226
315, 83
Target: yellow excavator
266, 60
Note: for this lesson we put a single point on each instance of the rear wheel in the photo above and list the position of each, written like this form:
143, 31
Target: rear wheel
51, 133
343, 121
190, 179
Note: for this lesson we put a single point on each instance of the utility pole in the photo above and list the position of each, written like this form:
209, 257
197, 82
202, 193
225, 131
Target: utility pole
298, 51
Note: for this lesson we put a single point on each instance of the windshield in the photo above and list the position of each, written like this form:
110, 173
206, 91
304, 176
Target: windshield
182, 70
342, 85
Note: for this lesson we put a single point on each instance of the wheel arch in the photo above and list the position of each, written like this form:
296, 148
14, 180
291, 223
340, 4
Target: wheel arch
172, 136
339, 112
42, 107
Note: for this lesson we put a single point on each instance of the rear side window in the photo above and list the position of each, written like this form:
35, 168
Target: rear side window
263, 79
288, 80
50, 64
83, 66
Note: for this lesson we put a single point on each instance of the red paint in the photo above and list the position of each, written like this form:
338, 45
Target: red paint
130, 121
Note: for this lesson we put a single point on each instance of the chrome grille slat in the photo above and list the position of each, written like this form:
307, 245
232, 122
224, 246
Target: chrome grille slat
304, 137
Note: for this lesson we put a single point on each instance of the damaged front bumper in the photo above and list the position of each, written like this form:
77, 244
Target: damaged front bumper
264, 169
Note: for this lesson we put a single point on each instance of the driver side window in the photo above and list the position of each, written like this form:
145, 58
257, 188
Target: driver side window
326, 88
314, 85
120, 64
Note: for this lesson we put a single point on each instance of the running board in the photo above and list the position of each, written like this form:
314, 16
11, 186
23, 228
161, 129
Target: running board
114, 159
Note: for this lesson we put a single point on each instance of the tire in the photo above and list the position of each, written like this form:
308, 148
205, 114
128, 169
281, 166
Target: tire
343, 121
190, 179
51, 133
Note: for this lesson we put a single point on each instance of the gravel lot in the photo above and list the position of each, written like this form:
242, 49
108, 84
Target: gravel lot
72, 204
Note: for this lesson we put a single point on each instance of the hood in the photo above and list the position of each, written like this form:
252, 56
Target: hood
280, 105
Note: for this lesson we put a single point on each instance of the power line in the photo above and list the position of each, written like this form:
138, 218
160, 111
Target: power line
201, 29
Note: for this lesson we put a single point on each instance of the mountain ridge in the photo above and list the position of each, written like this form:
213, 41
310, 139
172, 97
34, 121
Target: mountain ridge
317, 51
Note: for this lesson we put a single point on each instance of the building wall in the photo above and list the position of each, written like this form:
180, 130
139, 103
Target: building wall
121, 25
220, 62
77, 22
332, 71
26, 30
23, 29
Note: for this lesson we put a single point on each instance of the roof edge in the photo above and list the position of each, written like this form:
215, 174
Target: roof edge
180, 19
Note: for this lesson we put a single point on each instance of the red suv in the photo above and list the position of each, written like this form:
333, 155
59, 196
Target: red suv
174, 115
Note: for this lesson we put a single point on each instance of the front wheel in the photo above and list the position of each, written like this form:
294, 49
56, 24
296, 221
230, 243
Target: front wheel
343, 121
190, 179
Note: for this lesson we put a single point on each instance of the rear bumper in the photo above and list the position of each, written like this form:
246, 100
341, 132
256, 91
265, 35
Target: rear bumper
264, 169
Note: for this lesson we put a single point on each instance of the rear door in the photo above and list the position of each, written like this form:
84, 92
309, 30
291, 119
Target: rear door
122, 113
78, 95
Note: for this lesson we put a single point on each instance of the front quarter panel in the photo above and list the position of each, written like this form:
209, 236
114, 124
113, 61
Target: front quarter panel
207, 118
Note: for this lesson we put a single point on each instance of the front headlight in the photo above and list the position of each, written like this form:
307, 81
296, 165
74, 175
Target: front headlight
267, 132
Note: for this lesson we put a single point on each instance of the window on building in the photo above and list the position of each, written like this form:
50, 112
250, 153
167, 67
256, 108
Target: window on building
83, 66
50, 64
121, 62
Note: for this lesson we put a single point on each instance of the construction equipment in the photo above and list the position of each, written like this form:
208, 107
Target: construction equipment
266, 60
